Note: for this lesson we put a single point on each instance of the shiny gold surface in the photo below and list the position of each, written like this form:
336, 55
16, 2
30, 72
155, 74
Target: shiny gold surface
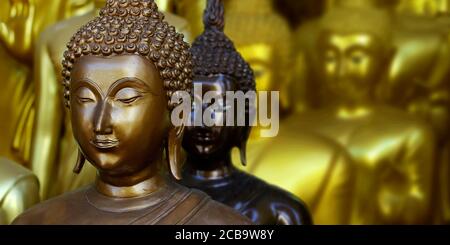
424, 7
394, 152
308, 165
417, 79
19, 190
53, 150
20, 25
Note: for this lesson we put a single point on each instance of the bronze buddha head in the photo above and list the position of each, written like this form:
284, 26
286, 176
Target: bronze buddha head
353, 50
120, 71
218, 68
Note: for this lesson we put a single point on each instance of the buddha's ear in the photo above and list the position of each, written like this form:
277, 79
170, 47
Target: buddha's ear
242, 144
175, 152
81, 159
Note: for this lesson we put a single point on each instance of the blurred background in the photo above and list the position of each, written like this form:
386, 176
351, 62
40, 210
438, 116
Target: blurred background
364, 89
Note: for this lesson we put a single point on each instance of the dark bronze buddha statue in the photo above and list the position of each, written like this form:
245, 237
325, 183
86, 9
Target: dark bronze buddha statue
218, 69
118, 72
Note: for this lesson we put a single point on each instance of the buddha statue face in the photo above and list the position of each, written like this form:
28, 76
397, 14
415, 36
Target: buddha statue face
353, 50
119, 74
204, 141
114, 104
350, 64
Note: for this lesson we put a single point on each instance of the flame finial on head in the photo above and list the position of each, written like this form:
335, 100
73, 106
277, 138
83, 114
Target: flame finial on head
213, 17
214, 53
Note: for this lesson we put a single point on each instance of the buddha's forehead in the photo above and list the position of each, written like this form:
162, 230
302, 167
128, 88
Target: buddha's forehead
215, 83
105, 71
351, 40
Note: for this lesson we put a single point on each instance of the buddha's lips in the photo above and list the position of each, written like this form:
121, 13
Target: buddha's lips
104, 143
204, 137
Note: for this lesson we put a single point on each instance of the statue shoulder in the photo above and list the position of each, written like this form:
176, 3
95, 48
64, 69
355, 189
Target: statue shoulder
13, 174
286, 208
293, 149
67, 205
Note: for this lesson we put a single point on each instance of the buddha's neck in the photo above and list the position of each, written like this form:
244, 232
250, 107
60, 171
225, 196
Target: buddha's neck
210, 168
140, 183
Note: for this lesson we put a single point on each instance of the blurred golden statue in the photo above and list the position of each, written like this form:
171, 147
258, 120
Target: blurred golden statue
19, 190
20, 24
424, 55
418, 76
55, 148
393, 151
415, 80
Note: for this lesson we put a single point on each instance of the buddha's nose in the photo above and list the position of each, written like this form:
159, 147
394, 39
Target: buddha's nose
103, 119
342, 70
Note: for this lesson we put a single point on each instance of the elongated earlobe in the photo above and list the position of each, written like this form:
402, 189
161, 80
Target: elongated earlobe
242, 144
175, 153
243, 152
81, 159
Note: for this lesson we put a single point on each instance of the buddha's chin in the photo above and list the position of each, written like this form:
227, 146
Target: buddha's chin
105, 162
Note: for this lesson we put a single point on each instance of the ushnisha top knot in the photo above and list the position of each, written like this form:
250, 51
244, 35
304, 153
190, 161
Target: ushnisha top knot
214, 53
213, 17
133, 27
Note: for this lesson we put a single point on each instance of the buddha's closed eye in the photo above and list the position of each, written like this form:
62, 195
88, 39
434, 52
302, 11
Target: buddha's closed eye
85, 95
128, 95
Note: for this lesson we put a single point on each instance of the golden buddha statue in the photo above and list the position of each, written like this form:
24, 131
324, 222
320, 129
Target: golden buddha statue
392, 150
19, 190
418, 77
428, 35
53, 142
20, 24
119, 74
